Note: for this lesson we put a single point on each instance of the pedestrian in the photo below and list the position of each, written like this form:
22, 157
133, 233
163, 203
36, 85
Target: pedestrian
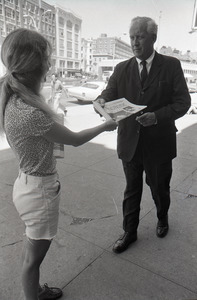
57, 90
31, 130
147, 142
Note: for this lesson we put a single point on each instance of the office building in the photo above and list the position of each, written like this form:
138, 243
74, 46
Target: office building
60, 26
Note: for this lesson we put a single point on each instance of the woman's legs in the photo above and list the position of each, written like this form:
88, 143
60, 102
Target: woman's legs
33, 254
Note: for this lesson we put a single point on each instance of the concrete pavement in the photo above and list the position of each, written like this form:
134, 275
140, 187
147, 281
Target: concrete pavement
80, 260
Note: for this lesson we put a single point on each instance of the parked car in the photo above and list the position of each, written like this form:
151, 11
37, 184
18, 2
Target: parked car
87, 92
192, 88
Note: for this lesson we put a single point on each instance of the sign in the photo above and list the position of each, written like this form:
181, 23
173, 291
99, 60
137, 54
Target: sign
194, 21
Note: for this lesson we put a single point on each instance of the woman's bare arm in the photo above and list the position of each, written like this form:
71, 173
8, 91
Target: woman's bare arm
61, 134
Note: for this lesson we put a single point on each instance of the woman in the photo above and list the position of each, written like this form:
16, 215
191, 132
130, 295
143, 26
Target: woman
32, 128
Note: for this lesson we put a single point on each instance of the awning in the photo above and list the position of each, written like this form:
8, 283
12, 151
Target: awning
78, 74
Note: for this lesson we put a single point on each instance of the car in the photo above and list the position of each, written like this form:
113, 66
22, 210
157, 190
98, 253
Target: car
87, 92
192, 89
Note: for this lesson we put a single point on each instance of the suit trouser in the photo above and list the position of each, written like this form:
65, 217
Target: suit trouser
158, 178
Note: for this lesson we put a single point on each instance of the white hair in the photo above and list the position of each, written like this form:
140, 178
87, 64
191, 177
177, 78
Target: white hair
149, 24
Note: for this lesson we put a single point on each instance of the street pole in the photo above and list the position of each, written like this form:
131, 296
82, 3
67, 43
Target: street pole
114, 45
33, 21
158, 35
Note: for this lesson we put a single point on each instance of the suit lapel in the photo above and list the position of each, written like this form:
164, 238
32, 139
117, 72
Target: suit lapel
155, 69
133, 75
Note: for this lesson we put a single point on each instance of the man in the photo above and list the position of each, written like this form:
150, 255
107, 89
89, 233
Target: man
147, 142
57, 89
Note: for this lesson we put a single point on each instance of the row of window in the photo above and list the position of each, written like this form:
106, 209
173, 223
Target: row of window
69, 35
69, 54
69, 24
192, 72
70, 64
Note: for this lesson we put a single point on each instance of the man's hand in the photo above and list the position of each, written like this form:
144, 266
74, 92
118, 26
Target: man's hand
101, 101
147, 119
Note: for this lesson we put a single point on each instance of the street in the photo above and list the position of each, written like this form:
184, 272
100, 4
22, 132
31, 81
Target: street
90, 221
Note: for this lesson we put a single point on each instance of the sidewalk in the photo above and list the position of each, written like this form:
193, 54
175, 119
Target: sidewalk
80, 260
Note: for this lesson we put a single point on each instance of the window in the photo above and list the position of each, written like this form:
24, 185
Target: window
90, 86
61, 52
61, 21
61, 43
69, 45
69, 54
70, 64
76, 28
8, 12
9, 27
76, 65
62, 63
69, 25
61, 32
69, 35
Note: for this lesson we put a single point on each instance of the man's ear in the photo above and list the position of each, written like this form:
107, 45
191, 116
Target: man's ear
154, 38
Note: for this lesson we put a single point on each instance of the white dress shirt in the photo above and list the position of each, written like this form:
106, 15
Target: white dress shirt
148, 62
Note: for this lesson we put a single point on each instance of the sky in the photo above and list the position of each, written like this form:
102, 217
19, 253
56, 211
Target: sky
174, 19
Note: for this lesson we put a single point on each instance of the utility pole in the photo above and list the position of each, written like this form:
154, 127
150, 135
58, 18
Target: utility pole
158, 34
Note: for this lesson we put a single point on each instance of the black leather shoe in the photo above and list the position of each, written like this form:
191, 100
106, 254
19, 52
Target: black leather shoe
124, 241
162, 227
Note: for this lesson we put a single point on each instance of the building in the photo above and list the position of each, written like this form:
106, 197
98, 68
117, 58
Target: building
60, 26
104, 48
30, 14
190, 71
86, 56
188, 62
98, 58
112, 45
68, 33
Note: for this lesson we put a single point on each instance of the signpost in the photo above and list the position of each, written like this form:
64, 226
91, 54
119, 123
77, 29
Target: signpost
194, 20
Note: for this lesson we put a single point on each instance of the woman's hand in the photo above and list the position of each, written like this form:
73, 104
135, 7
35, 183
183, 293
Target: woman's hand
110, 125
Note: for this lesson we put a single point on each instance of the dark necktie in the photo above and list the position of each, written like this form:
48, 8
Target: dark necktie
144, 73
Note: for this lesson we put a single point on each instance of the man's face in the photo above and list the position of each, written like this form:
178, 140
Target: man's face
141, 41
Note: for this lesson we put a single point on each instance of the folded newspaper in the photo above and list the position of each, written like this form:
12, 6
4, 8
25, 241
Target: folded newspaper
118, 109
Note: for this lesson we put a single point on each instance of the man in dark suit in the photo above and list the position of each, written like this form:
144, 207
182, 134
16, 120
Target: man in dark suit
147, 142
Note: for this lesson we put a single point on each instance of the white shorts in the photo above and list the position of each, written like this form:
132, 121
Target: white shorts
37, 202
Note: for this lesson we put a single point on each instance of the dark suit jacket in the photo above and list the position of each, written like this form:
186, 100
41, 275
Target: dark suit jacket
165, 92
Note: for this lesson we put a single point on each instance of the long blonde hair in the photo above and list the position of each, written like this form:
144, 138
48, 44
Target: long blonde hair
25, 54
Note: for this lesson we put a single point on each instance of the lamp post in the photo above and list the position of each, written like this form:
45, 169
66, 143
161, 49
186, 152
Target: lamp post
113, 54
32, 19
159, 30
46, 11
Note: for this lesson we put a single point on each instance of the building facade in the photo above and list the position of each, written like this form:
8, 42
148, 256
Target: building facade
112, 45
61, 27
86, 56
68, 33
104, 48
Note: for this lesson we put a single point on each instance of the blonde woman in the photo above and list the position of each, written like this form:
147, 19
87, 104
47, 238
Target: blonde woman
32, 128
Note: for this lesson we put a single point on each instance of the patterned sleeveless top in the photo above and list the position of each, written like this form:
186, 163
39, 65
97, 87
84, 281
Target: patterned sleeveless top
25, 127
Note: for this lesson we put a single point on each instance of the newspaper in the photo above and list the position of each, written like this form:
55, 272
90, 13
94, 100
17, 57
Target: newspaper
118, 109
